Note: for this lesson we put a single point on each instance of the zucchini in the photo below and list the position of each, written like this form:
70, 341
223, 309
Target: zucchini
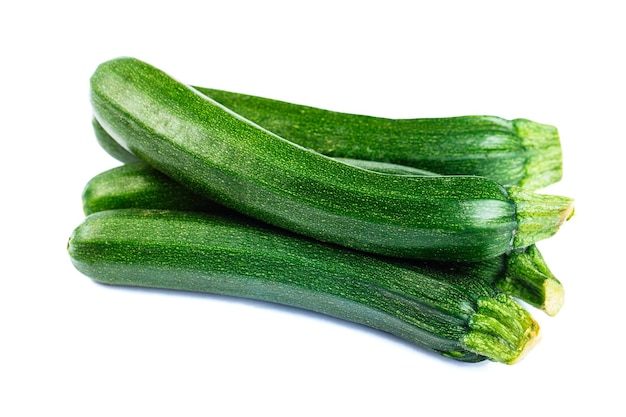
226, 158
522, 274
137, 185
512, 152
443, 311
110, 146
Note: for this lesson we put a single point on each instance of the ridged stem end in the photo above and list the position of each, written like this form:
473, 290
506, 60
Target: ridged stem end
539, 216
529, 279
501, 330
544, 165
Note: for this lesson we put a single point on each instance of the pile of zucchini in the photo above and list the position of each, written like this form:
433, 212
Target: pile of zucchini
422, 228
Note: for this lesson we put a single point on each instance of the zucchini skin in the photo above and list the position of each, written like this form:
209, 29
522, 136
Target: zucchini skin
523, 274
443, 311
110, 146
512, 152
137, 185
117, 151
221, 155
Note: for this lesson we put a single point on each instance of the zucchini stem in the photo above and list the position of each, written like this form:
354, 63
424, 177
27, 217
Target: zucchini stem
528, 278
502, 330
544, 162
538, 216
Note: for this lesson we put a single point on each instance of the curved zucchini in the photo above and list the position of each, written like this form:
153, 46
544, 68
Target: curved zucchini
522, 274
444, 311
223, 156
512, 152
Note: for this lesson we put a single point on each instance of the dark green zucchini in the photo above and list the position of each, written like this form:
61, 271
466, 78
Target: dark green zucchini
523, 274
226, 158
111, 147
137, 185
511, 152
449, 312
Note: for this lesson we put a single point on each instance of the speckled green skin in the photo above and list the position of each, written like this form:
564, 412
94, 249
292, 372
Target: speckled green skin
511, 152
224, 157
455, 313
137, 185
117, 151
110, 146
524, 274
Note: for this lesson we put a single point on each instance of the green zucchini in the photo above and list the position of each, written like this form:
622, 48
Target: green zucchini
523, 274
137, 185
111, 147
512, 152
223, 156
444, 311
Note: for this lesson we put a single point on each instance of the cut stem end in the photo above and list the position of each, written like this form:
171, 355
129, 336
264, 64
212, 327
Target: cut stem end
528, 278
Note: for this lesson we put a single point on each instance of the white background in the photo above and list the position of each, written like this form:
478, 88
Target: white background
74, 348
